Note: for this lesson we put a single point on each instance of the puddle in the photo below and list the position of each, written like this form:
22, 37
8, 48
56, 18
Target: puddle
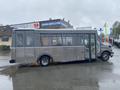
5, 83
4, 61
109, 85
1, 69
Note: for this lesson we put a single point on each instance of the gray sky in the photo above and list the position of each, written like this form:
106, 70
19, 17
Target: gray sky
79, 12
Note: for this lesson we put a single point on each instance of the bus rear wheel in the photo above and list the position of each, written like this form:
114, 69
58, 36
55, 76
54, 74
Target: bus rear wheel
105, 56
44, 61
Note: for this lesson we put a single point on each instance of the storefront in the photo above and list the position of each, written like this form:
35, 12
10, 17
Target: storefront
47, 24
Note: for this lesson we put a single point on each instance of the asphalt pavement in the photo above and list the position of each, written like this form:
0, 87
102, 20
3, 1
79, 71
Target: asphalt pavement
97, 75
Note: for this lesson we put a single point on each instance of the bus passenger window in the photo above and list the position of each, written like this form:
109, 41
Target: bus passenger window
67, 41
81, 40
19, 40
78, 40
29, 41
56, 41
86, 43
45, 41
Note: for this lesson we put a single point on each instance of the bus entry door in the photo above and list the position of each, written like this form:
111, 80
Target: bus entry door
90, 49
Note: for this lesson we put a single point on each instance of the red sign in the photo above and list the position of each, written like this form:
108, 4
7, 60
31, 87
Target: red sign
36, 25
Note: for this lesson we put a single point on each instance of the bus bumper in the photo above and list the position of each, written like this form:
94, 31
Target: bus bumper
111, 54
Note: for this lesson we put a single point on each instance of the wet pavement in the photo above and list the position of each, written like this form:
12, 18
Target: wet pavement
4, 58
5, 80
71, 76
5, 83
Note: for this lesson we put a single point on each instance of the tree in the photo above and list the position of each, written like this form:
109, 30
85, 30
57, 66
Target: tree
116, 29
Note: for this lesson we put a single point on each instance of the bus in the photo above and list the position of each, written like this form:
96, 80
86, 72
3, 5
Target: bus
45, 46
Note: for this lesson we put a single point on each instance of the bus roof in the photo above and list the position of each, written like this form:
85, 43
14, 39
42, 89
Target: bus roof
58, 30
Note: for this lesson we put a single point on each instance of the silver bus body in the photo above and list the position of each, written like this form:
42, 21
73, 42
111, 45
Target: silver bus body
29, 45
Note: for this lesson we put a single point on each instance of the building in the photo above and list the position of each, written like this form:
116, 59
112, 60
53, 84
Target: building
85, 28
6, 31
55, 24
47, 24
5, 35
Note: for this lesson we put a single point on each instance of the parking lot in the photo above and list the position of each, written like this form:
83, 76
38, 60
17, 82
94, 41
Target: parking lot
97, 75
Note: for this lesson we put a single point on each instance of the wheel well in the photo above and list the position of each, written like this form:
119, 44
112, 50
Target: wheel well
106, 51
51, 59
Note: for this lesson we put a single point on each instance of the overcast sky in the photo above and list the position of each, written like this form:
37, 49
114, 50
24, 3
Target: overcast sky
79, 12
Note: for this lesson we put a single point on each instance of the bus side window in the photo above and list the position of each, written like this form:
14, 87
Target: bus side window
86, 40
51, 40
45, 41
78, 40
19, 40
56, 41
29, 39
81, 40
67, 41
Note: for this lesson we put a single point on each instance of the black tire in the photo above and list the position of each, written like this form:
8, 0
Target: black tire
12, 61
44, 61
105, 56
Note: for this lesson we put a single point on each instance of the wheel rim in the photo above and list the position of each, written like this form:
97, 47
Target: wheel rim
105, 57
45, 61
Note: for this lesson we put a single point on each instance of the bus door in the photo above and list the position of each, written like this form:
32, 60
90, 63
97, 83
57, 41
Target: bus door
87, 46
29, 49
93, 46
90, 46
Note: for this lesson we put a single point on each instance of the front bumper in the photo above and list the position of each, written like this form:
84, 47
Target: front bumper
111, 54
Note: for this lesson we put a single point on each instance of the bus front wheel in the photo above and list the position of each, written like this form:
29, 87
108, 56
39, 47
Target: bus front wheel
105, 56
44, 61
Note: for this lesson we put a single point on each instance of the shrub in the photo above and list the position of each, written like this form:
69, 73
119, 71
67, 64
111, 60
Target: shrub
4, 47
